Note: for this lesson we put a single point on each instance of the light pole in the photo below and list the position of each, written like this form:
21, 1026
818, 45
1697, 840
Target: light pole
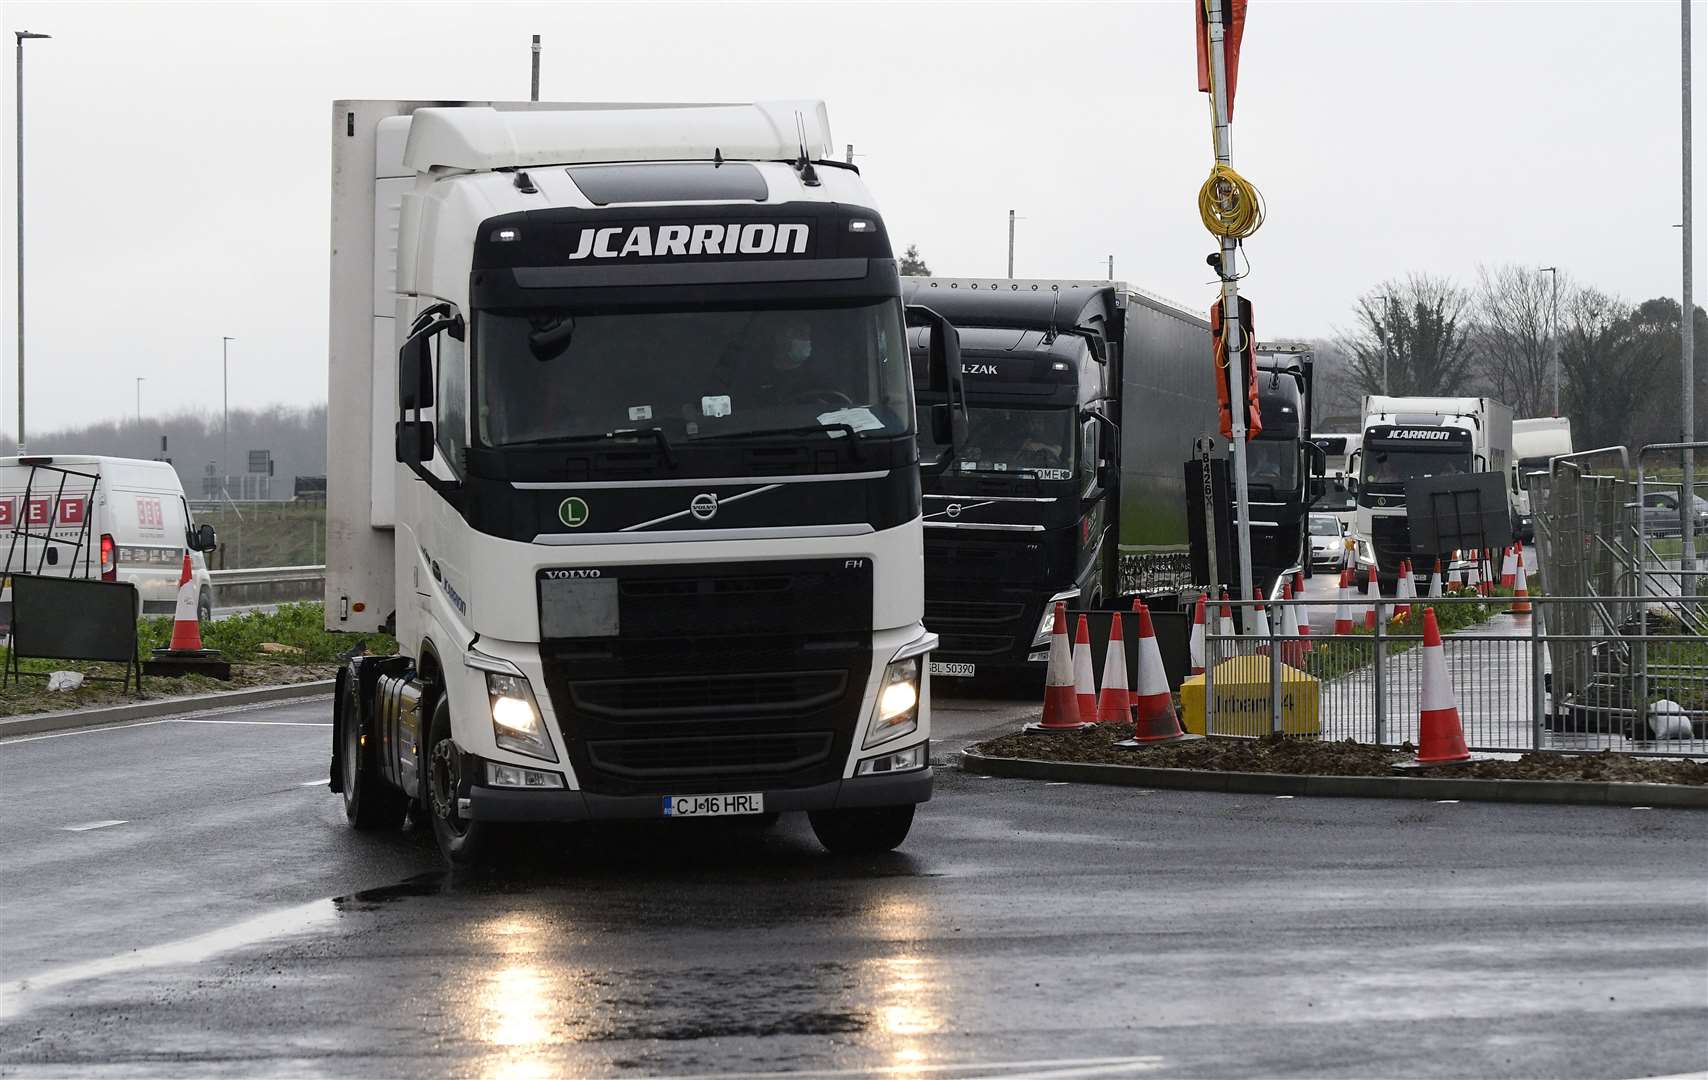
139, 380
1687, 328
1011, 244
225, 410
1553, 272
534, 82
22, 36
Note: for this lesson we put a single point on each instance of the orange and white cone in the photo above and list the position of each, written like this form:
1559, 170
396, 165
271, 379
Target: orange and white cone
1404, 591
1435, 582
1440, 737
1302, 615
1521, 591
1293, 644
1485, 578
186, 626
1114, 701
1061, 707
1196, 645
1343, 608
1258, 630
1154, 719
1372, 600
1508, 569
1084, 685
1225, 623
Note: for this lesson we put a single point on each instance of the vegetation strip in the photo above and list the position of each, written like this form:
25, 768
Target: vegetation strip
1365, 787
39, 723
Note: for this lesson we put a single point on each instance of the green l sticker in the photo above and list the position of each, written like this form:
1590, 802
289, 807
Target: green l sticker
572, 512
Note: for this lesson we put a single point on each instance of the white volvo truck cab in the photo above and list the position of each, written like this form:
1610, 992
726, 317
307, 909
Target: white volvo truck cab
623, 450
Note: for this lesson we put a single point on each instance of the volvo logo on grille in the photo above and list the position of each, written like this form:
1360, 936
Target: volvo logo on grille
954, 510
704, 507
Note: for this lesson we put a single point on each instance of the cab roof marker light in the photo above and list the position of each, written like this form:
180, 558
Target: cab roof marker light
506, 236
860, 225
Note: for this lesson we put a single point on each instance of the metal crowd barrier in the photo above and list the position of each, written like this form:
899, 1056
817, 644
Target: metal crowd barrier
1642, 692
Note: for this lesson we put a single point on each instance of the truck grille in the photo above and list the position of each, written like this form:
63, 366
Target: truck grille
719, 677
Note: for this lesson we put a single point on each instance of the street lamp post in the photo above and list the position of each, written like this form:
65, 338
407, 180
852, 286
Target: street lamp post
225, 410
139, 380
1011, 244
1382, 333
22, 36
1553, 272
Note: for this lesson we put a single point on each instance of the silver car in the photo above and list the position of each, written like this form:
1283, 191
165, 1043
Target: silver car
1328, 542
1661, 514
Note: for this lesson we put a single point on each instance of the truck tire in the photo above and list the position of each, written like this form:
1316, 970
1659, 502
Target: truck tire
864, 831
461, 842
369, 802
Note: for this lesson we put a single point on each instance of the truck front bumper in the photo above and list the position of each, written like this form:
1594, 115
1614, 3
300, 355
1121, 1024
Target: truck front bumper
509, 804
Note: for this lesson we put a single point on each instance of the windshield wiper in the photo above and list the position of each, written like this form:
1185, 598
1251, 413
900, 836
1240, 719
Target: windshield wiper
656, 434
856, 437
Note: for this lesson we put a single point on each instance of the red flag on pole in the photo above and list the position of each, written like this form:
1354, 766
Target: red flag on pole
1233, 28
1247, 361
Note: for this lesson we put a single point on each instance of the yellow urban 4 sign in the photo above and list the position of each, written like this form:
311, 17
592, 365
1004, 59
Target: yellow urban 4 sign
1243, 699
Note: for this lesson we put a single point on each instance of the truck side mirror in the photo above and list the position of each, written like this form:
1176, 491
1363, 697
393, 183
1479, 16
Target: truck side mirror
415, 374
948, 420
414, 442
1351, 485
201, 538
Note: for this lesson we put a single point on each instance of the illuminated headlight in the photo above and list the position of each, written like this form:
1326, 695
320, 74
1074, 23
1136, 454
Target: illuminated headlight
1047, 622
514, 776
897, 712
900, 761
516, 723
1366, 552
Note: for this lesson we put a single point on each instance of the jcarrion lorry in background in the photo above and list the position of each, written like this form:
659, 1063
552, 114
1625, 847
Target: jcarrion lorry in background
622, 449
1409, 438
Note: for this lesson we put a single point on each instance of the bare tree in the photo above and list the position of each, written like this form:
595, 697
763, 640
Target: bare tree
1514, 337
1413, 336
1607, 367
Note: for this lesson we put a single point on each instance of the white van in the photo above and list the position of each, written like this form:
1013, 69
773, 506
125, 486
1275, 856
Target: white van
121, 519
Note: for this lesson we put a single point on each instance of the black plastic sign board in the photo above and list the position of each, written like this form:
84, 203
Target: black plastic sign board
1221, 499
56, 618
1459, 512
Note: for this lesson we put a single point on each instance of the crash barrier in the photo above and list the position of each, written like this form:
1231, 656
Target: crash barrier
268, 585
1642, 687
55, 618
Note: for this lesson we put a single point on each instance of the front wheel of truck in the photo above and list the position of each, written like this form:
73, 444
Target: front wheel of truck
461, 841
863, 831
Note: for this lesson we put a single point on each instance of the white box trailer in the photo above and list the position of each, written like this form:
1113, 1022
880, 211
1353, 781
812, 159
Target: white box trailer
1534, 441
622, 448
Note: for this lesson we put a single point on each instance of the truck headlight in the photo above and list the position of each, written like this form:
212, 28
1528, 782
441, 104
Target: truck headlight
516, 722
1047, 622
897, 711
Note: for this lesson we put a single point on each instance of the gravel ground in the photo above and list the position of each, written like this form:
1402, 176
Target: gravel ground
1277, 754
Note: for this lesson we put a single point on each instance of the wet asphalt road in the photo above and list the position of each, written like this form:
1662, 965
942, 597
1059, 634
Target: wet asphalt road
233, 925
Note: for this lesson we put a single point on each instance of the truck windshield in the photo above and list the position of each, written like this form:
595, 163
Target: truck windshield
1272, 464
547, 374
1013, 440
1384, 466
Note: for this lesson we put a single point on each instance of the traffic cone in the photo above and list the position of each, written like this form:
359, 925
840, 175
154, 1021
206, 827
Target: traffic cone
1154, 720
1225, 624
1404, 590
1115, 701
1372, 600
1061, 707
1301, 615
1521, 591
1508, 569
1485, 577
186, 626
1440, 738
1435, 582
1196, 645
1294, 645
1343, 609
1084, 688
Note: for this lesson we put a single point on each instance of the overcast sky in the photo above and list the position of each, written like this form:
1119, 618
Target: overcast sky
177, 155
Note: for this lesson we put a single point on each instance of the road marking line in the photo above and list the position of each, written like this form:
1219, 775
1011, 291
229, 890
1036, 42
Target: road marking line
82, 731
1642, 808
315, 783
253, 723
88, 825
1445, 802
1283, 796
1055, 783
1069, 1067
